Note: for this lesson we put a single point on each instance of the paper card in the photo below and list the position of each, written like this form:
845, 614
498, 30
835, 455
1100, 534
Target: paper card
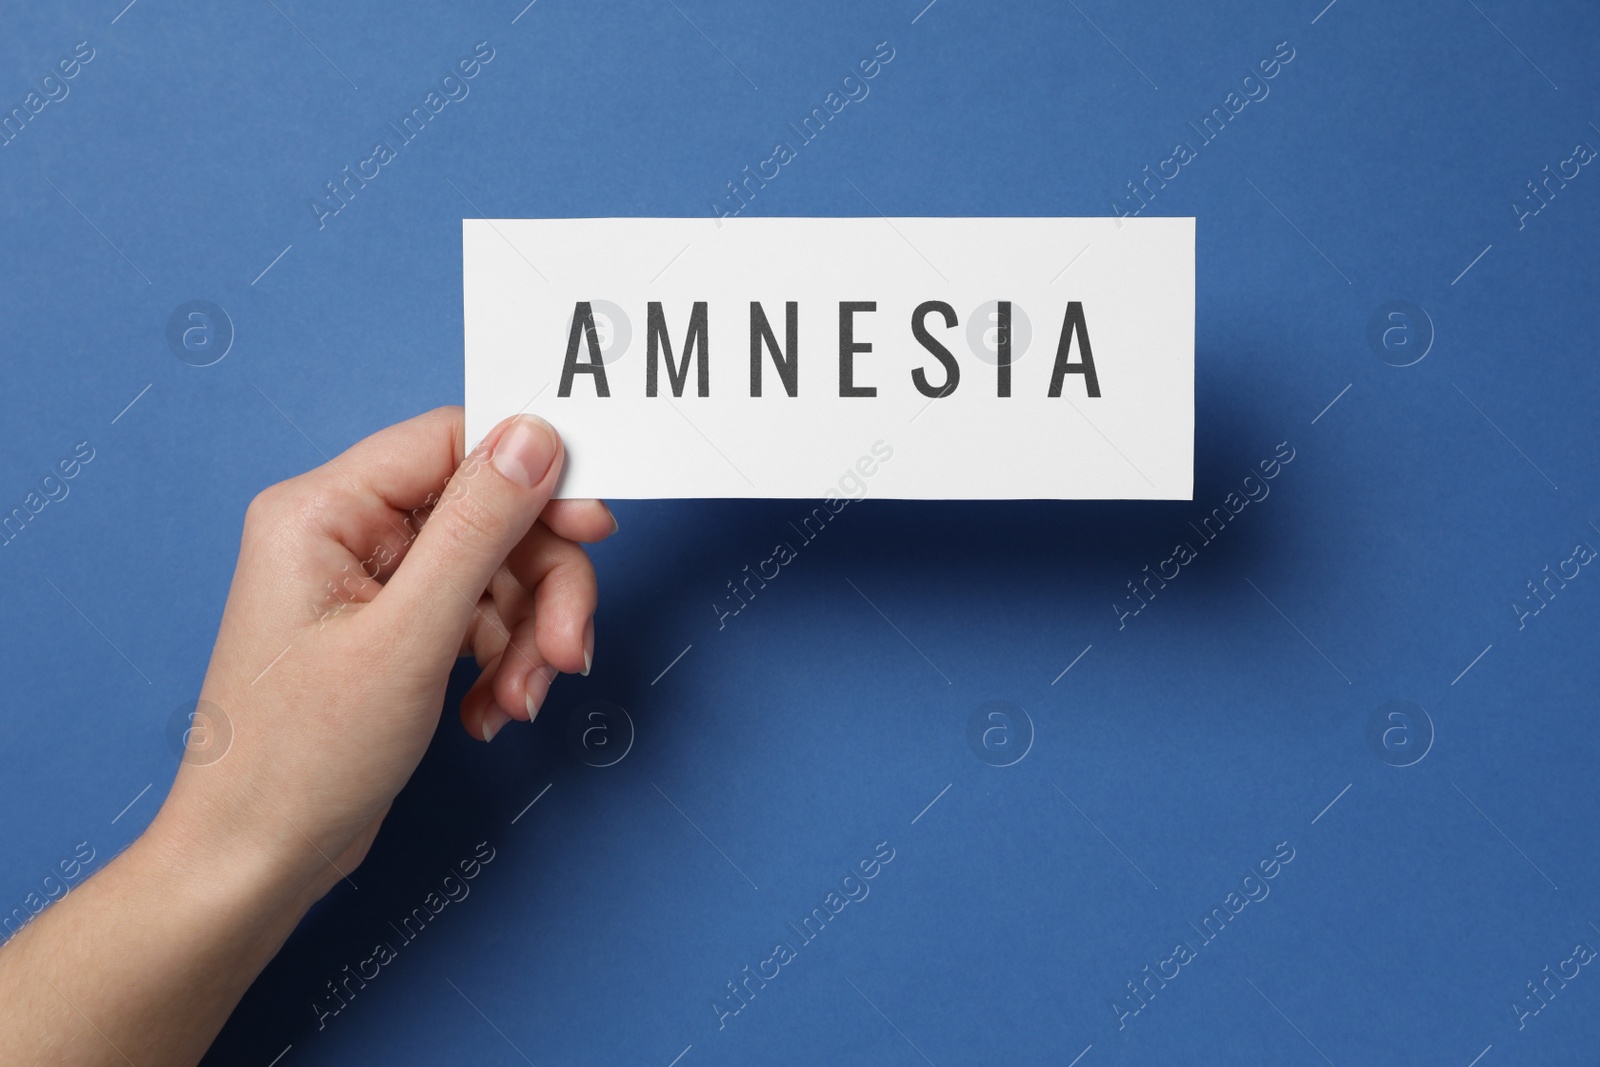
921, 358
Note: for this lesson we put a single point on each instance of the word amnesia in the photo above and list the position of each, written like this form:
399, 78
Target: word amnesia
1074, 356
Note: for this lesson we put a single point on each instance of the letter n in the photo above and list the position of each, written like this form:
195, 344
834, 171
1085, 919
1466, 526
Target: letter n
785, 359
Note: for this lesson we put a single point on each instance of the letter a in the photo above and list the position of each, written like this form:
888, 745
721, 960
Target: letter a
583, 324
1073, 325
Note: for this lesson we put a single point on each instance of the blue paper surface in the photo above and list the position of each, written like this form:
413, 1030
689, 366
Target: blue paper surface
1441, 859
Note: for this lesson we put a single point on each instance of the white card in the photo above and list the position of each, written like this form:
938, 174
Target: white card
920, 358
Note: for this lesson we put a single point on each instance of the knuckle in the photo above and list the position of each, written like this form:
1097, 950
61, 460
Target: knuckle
466, 522
266, 525
283, 511
573, 562
572, 577
263, 505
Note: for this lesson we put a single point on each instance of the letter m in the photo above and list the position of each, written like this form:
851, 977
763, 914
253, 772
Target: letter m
17, 116
694, 348
18, 519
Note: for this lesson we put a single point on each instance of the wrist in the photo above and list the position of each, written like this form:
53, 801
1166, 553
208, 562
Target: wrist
224, 819
262, 891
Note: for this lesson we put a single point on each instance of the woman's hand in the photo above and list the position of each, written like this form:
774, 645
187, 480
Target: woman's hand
359, 584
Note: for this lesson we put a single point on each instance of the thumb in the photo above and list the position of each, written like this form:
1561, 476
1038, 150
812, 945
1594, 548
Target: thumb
489, 505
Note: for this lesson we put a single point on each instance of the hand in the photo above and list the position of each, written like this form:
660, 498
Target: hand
358, 585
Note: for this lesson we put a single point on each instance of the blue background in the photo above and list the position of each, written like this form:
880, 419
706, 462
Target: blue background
1177, 752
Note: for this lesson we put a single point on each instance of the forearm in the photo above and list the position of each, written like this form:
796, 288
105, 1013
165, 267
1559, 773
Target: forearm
143, 963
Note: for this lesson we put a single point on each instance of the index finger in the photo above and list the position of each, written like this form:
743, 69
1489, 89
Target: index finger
407, 465
579, 520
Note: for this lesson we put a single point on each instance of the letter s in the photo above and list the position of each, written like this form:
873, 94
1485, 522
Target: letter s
919, 330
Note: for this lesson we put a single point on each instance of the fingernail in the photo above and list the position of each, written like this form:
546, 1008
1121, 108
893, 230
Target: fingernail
525, 450
537, 687
588, 646
615, 526
493, 719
